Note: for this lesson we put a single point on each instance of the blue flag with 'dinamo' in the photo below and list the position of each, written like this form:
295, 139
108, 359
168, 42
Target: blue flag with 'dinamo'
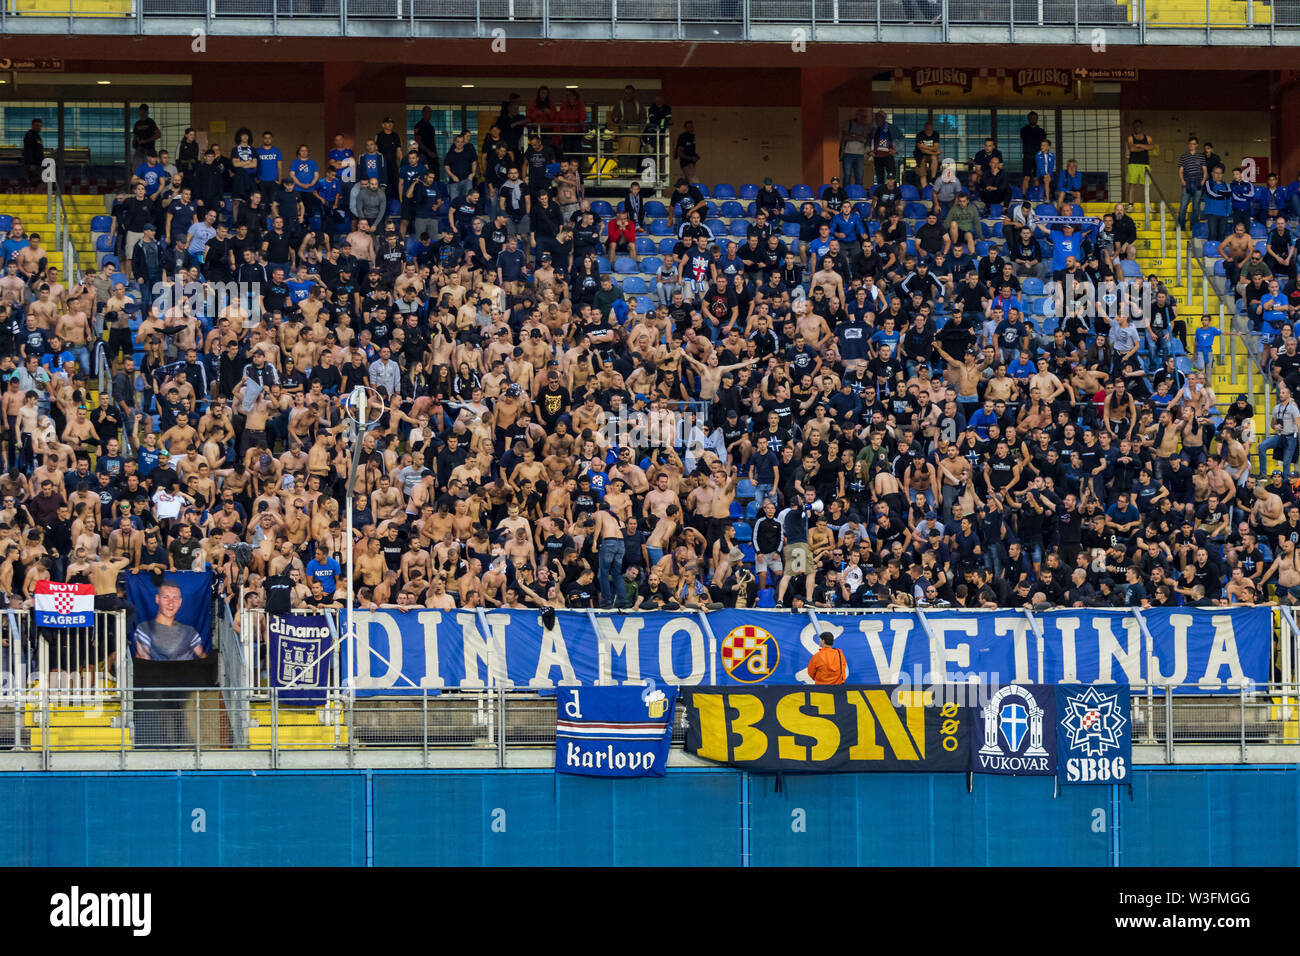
614, 731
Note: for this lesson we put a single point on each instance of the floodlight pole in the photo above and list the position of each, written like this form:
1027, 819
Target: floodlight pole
359, 403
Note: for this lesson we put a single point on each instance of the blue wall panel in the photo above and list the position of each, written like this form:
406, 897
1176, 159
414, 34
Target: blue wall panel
523, 818
1238, 817
923, 820
1192, 817
124, 819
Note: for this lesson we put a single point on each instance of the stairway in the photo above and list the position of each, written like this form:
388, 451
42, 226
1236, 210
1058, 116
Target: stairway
1188, 294
80, 210
1226, 14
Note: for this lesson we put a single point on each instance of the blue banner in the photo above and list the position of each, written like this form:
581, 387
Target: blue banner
614, 731
299, 659
1212, 649
1015, 731
1095, 733
187, 635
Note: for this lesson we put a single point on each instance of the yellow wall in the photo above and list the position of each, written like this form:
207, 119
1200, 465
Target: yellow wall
1234, 135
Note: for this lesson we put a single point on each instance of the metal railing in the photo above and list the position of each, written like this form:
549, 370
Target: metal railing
612, 157
1231, 22
488, 726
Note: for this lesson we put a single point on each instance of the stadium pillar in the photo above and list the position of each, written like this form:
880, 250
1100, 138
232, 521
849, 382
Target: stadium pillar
1285, 117
340, 102
822, 91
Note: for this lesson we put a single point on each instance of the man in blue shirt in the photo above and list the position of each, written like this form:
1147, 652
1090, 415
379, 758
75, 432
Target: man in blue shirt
325, 570
982, 419
305, 175
848, 228
1070, 186
151, 173
268, 167
1045, 168
1217, 203
1274, 308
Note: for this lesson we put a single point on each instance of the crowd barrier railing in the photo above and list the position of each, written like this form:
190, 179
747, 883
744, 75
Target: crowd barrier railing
787, 21
196, 728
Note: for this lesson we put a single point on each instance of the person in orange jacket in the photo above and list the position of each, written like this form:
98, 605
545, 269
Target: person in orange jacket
828, 665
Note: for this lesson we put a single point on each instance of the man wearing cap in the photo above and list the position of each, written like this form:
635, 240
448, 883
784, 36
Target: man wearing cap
147, 263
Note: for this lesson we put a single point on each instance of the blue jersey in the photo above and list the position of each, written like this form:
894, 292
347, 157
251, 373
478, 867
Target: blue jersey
1045, 163
324, 573
268, 164
1064, 246
1205, 337
304, 171
1071, 182
152, 176
327, 189
1243, 194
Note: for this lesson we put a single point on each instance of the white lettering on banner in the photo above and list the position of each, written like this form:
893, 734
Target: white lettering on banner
576, 756
364, 679
810, 638
429, 621
1180, 624
887, 670
1069, 661
624, 641
1110, 651
1019, 629
666, 634
1223, 653
553, 654
490, 650
940, 653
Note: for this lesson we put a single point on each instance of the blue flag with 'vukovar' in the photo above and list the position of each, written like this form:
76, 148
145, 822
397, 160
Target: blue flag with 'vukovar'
614, 731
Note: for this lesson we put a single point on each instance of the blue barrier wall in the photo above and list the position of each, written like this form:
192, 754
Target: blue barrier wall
1176, 817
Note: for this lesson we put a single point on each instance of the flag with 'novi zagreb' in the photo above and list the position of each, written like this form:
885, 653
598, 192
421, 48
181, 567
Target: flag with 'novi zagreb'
64, 605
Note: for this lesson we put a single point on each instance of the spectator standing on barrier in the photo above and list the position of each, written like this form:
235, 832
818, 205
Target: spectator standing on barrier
828, 665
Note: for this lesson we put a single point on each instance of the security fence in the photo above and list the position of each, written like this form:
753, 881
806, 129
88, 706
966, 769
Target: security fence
491, 725
1175, 22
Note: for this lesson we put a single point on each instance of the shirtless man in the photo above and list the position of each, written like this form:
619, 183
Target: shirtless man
1287, 568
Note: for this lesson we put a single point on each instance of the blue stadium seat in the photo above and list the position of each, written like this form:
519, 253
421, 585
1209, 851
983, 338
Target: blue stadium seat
744, 534
645, 246
927, 193
910, 246
989, 230
6, 223
1049, 324
855, 191
751, 210
704, 190
716, 226
626, 265
766, 598
660, 227
863, 209
731, 209
645, 304
1035, 194
602, 208
736, 513
745, 490
914, 210
712, 210
1044, 209
394, 209
635, 285
781, 191
795, 246
790, 208
104, 243
747, 553
1210, 250
1132, 270
790, 229
748, 191
739, 228
650, 265
751, 510
1258, 230
801, 192
1032, 286
995, 210
101, 224
982, 247
603, 264
105, 260
1261, 247
1016, 193
654, 209
666, 247
910, 193
1183, 364
1201, 230
1219, 269
1047, 306
724, 191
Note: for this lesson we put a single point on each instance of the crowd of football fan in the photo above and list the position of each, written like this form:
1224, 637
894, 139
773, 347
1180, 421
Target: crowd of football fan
835, 408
